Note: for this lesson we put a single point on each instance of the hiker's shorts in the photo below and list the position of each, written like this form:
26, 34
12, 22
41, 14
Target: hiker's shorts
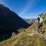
39, 27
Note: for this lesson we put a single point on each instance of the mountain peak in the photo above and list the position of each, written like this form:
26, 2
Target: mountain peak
1, 5
10, 20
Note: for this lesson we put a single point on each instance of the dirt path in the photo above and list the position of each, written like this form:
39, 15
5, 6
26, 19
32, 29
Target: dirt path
35, 32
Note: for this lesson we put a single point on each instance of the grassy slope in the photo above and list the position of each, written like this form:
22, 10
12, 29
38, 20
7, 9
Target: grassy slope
44, 24
22, 39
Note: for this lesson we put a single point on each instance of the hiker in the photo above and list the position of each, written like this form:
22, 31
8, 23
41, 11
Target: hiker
40, 23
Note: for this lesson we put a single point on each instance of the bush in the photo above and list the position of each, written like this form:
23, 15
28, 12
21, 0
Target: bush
45, 21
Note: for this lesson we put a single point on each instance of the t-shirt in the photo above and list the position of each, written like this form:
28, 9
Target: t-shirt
38, 19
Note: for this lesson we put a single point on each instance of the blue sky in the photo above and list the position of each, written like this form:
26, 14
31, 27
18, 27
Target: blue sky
26, 8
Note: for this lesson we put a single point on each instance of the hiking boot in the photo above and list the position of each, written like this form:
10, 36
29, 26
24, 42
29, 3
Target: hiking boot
41, 32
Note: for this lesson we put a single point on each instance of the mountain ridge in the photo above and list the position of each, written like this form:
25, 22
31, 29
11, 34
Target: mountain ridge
10, 22
9, 17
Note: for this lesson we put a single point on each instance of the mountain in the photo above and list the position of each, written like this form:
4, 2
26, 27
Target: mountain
29, 20
10, 21
25, 38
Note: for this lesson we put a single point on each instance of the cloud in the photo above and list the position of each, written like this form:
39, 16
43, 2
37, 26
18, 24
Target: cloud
29, 5
30, 15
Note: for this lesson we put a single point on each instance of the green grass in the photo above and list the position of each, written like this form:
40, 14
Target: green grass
31, 41
45, 21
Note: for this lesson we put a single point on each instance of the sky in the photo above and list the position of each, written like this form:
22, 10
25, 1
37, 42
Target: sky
26, 8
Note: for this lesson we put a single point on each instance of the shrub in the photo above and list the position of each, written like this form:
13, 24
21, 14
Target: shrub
45, 21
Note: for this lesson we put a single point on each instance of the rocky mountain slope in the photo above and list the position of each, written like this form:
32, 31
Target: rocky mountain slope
29, 20
10, 21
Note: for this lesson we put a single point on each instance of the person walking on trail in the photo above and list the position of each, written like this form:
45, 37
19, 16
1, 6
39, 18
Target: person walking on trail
40, 21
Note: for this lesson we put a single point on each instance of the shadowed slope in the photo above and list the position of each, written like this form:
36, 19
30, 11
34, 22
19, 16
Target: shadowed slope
10, 22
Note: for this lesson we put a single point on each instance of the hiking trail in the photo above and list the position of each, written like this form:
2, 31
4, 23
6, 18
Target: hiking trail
36, 32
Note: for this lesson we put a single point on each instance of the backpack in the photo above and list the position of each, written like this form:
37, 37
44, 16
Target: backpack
41, 20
